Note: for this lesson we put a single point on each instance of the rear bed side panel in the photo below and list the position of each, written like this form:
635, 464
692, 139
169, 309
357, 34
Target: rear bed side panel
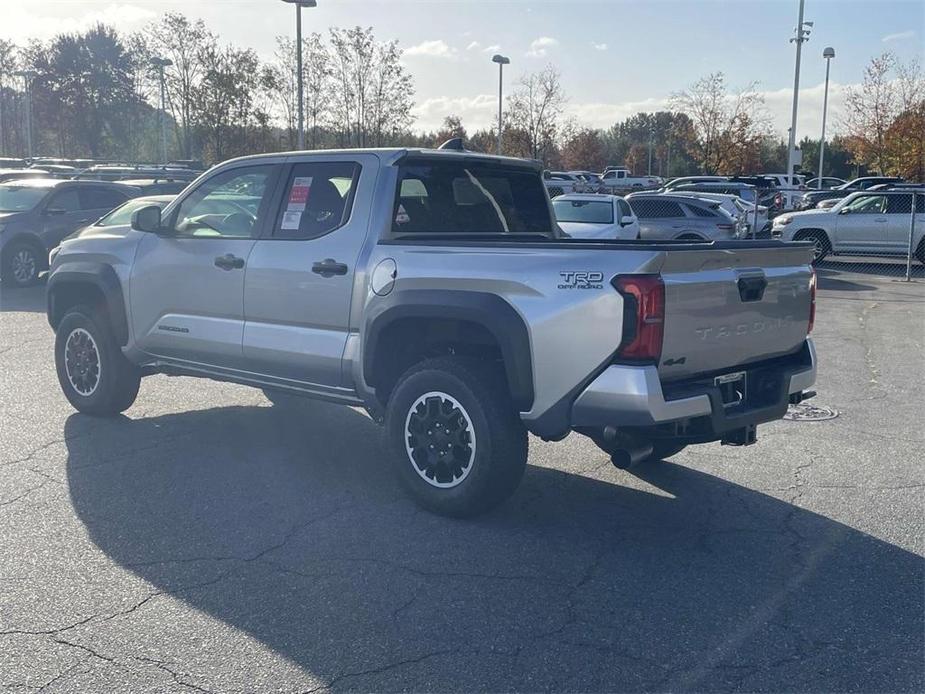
574, 323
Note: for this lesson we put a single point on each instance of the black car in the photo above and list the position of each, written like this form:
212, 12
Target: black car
814, 197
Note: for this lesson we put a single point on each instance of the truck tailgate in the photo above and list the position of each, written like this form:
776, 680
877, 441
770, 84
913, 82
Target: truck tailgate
725, 308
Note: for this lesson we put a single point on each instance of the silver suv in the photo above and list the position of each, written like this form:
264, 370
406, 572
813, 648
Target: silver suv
681, 217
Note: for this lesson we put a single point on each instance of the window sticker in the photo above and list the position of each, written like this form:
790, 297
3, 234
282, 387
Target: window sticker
401, 217
291, 219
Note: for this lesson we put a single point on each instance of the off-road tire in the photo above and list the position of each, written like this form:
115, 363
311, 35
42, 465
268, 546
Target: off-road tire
472, 394
117, 379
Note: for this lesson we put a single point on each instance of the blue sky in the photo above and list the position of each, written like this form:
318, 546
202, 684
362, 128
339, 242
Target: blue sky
616, 57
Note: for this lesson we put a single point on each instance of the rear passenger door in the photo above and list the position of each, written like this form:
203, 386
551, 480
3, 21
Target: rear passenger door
898, 213
658, 218
302, 272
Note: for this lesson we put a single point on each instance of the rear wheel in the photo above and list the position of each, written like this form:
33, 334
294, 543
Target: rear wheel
22, 263
94, 374
457, 442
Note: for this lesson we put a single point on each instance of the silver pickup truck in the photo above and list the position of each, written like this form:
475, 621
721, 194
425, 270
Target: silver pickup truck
434, 289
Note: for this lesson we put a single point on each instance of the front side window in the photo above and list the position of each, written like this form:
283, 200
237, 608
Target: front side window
583, 211
467, 198
226, 205
317, 200
867, 204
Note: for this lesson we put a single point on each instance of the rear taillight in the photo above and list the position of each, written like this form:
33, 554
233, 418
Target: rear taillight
643, 316
812, 302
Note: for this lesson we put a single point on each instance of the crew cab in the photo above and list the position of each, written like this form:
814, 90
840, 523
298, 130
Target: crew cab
615, 179
868, 223
434, 289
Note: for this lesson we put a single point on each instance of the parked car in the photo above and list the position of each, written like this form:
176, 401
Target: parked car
618, 179
825, 183
682, 217
595, 216
119, 220
20, 174
743, 212
36, 214
435, 289
156, 186
828, 204
12, 163
689, 180
866, 223
814, 197
560, 183
135, 171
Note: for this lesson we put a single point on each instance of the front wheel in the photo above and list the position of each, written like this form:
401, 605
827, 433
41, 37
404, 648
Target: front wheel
21, 265
457, 442
821, 245
95, 376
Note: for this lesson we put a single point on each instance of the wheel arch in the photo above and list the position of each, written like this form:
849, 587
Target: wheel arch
92, 283
411, 325
32, 240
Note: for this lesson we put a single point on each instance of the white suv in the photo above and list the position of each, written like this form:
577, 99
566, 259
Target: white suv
870, 223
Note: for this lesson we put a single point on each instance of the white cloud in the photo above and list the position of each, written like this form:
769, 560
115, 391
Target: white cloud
899, 36
434, 49
474, 46
493, 48
538, 47
475, 111
599, 46
20, 22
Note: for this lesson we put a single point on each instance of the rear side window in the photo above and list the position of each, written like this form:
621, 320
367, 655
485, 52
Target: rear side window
318, 199
902, 204
700, 211
66, 200
469, 198
654, 208
100, 198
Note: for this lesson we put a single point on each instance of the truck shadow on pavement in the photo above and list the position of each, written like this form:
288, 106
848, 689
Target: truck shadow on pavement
286, 524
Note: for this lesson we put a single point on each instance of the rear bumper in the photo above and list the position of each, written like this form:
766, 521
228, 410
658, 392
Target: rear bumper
633, 396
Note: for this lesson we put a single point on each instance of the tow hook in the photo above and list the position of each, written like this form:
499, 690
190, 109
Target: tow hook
746, 436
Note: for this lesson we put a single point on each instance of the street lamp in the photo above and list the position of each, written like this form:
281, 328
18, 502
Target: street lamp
828, 54
502, 61
802, 34
160, 64
299, 4
28, 76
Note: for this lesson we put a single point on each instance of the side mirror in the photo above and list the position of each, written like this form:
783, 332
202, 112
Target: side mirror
55, 211
626, 220
844, 210
147, 219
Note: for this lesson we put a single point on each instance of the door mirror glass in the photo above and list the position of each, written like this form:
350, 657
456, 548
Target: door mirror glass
147, 219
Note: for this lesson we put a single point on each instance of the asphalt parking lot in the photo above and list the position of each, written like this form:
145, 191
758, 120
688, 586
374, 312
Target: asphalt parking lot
210, 541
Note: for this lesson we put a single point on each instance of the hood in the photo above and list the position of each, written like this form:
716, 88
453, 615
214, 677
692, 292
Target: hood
6, 217
582, 230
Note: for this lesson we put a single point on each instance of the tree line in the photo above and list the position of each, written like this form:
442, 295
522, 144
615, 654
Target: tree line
96, 94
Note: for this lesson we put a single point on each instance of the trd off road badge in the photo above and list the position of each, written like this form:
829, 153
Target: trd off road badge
581, 280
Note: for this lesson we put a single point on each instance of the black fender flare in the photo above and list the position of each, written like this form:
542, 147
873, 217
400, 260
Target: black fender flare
489, 310
99, 275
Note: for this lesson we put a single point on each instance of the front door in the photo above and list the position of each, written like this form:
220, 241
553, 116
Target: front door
187, 285
301, 273
62, 215
862, 225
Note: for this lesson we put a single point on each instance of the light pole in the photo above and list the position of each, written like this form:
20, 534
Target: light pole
651, 142
28, 76
802, 34
828, 54
160, 64
299, 4
502, 61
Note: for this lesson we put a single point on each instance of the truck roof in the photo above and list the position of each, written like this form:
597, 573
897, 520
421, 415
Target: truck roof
392, 155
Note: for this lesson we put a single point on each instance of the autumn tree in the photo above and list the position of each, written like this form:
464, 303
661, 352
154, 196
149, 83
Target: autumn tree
452, 127
583, 148
727, 126
533, 114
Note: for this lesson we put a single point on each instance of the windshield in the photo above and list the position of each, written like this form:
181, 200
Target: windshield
20, 198
122, 215
583, 211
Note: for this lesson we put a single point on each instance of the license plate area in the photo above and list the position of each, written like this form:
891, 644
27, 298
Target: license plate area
733, 388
